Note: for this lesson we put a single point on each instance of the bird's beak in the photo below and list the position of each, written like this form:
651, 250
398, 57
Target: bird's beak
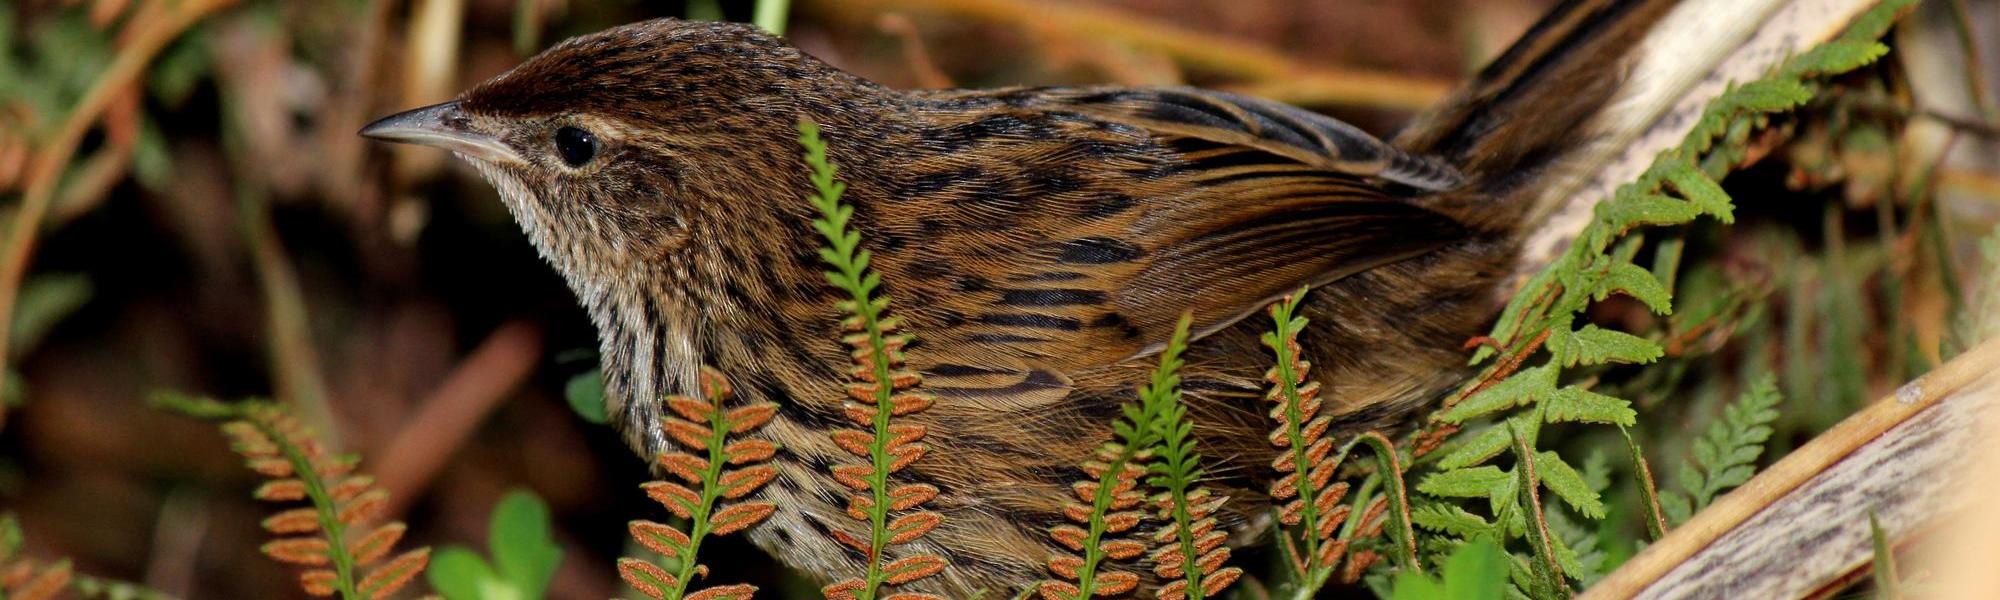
442, 126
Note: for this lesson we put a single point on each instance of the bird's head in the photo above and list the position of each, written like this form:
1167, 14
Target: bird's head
621, 149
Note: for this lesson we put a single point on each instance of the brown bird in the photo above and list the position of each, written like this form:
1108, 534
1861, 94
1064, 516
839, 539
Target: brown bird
1040, 243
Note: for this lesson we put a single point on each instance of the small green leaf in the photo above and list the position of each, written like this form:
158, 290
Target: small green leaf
524, 550
1703, 192
1635, 281
1559, 477
1838, 56
1593, 345
458, 573
1523, 387
1411, 585
1872, 25
1476, 482
1573, 404
1626, 211
1477, 570
1479, 448
152, 162
10, 536
1450, 518
1886, 579
44, 301
200, 407
181, 65
1771, 95
585, 393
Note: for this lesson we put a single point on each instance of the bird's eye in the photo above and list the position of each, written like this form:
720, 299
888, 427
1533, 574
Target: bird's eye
576, 146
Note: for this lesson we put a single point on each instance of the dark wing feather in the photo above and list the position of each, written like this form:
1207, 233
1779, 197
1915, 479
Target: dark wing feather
1304, 136
1070, 228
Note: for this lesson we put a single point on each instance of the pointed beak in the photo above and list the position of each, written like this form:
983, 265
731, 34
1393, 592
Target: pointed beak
441, 126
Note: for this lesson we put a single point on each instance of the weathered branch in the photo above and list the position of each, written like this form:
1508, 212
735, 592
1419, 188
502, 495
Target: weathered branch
1686, 61
1801, 527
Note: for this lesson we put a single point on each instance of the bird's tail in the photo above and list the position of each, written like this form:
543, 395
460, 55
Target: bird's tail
1541, 102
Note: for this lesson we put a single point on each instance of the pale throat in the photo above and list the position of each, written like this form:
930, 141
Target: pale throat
648, 346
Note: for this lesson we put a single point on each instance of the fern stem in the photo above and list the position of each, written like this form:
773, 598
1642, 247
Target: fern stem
852, 275
1548, 573
1184, 528
323, 503
1093, 551
711, 486
1286, 331
1656, 521
1399, 497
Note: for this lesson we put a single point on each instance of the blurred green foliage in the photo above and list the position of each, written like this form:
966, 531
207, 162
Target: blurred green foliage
523, 556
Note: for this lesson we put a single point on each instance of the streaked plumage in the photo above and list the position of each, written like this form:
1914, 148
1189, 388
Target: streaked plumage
1040, 242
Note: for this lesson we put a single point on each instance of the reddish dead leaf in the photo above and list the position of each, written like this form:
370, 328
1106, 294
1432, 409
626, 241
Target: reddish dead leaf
282, 490
843, 590
364, 506
691, 409
739, 516
678, 500
740, 591
350, 487
912, 568
306, 551
687, 434
318, 582
393, 575
659, 537
749, 451
377, 543
649, 579
911, 526
905, 497
751, 417
297, 520
739, 483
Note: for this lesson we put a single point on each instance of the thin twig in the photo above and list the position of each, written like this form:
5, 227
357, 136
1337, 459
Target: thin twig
295, 362
915, 55
46, 174
449, 416
1269, 71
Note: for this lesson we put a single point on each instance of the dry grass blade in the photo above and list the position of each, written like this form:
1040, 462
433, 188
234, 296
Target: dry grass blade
45, 173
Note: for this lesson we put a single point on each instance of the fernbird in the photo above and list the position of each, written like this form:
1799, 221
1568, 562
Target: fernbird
1039, 242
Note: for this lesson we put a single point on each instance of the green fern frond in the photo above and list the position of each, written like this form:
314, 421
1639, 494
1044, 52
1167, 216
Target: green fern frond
1586, 559
1114, 507
1725, 456
883, 390
1542, 338
1110, 504
1191, 554
703, 426
1307, 497
330, 537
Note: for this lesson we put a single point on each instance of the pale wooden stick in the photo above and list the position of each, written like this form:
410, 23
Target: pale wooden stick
1685, 62
1803, 523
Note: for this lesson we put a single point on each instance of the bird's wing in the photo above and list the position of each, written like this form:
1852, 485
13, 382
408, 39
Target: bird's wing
1049, 230
1276, 128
